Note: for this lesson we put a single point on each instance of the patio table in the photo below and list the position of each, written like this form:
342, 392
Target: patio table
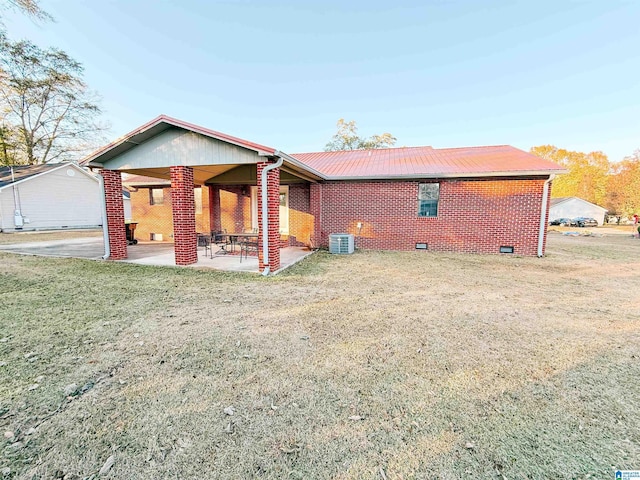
233, 237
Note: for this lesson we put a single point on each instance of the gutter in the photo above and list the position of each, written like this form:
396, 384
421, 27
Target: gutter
543, 214
298, 164
419, 176
105, 226
265, 214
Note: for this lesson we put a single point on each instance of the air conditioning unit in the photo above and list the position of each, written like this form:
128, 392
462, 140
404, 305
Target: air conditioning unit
341, 243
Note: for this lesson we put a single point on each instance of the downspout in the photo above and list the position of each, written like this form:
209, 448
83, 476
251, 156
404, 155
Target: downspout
18, 219
265, 214
543, 214
105, 225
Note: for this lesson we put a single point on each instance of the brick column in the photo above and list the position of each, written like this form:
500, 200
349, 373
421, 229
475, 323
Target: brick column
184, 215
115, 214
273, 203
315, 208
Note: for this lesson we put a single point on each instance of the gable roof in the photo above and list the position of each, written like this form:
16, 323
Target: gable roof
559, 200
428, 162
23, 173
159, 125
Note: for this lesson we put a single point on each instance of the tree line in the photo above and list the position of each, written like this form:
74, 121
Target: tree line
592, 177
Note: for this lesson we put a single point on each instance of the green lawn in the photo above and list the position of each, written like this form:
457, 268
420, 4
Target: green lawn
375, 365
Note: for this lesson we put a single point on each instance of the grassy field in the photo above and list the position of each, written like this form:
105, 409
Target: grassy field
370, 366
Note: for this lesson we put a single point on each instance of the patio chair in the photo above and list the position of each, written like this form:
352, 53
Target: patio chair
248, 245
222, 241
205, 241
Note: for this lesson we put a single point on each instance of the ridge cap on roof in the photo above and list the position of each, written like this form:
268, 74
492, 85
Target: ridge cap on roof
364, 150
478, 146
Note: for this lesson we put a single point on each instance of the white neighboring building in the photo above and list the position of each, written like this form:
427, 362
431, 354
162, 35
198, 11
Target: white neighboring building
126, 199
572, 207
49, 197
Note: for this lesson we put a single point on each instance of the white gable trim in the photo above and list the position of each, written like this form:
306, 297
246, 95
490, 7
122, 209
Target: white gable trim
62, 165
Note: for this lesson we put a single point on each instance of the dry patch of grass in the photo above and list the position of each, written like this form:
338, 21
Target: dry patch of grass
24, 237
375, 365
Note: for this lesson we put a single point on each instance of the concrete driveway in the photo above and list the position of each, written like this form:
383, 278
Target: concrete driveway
89, 247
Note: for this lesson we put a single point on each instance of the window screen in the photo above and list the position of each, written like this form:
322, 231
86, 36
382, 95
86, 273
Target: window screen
428, 197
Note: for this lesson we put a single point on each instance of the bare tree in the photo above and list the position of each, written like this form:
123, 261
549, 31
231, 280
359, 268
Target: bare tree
45, 103
31, 8
346, 138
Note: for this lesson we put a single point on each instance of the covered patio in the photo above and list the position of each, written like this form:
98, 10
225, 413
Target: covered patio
190, 156
148, 253
163, 255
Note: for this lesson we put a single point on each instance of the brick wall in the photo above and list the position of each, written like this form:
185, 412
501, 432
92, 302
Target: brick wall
301, 222
232, 211
115, 214
184, 220
474, 216
159, 218
273, 212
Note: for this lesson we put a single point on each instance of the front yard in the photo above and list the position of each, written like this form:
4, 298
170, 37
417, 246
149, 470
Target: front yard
375, 365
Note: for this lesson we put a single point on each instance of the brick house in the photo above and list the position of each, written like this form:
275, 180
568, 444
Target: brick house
476, 200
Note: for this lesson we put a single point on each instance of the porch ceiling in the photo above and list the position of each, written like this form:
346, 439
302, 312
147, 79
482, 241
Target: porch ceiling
216, 174
201, 173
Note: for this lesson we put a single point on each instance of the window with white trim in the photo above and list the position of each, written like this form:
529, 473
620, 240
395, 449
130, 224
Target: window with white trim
156, 196
428, 198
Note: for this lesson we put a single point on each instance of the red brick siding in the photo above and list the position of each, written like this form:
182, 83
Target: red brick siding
474, 216
115, 214
232, 211
184, 219
315, 209
273, 212
156, 219
159, 218
301, 223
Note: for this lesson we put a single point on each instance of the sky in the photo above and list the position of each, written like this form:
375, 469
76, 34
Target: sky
445, 73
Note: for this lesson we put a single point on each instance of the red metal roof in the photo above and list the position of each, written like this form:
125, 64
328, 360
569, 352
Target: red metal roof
427, 162
408, 162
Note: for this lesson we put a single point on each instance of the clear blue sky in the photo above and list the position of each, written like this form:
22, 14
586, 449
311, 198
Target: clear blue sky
441, 73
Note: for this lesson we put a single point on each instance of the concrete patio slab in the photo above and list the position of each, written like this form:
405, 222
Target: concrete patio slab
160, 254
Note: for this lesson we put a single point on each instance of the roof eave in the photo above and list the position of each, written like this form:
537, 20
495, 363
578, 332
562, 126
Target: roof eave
413, 176
90, 161
298, 165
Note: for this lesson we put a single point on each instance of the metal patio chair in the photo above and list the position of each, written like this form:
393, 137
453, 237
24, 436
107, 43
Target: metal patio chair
222, 241
205, 241
249, 245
